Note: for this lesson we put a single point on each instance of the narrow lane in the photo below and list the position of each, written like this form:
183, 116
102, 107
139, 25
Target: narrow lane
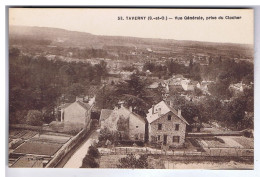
75, 160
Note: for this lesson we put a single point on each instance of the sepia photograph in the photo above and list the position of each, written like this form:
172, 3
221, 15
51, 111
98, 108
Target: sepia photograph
131, 88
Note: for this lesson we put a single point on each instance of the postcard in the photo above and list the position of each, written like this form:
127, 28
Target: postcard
131, 88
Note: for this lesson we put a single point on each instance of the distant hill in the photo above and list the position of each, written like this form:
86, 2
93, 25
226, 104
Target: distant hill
65, 38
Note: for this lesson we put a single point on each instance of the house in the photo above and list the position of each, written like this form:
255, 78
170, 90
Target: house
124, 121
154, 85
166, 125
189, 85
203, 86
238, 87
105, 113
76, 112
126, 75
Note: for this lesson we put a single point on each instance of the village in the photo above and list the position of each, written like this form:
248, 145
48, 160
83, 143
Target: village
163, 134
78, 100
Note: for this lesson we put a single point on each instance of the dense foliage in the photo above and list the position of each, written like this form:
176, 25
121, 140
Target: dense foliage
39, 84
131, 161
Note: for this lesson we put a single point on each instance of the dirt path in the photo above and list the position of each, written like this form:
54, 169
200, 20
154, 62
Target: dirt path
75, 161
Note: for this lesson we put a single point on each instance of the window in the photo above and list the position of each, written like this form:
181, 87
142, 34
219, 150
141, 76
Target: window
136, 126
175, 139
159, 126
169, 117
177, 127
158, 138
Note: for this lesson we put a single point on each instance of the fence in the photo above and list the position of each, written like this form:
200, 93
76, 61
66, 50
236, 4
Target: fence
234, 152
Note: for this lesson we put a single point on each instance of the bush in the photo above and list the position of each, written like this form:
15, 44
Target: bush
89, 162
18, 117
34, 117
106, 134
130, 161
93, 152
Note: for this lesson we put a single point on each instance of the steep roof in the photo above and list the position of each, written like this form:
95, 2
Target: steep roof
137, 115
84, 105
92, 90
105, 113
167, 109
176, 113
65, 105
153, 85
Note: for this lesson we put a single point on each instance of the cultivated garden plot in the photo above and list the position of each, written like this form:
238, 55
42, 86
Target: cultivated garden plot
50, 139
247, 143
38, 148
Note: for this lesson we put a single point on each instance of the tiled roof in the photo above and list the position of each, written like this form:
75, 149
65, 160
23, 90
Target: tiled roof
176, 113
105, 113
153, 118
84, 105
93, 90
65, 105
154, 85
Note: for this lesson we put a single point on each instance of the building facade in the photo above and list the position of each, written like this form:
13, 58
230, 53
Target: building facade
166, 125
134, 125
77, 112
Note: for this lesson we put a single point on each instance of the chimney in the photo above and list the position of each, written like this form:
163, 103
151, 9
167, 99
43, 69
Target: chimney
179, 112
171, 104
159, 112
152, 109
130, 109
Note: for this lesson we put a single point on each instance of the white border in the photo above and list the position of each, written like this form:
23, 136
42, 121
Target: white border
116, 172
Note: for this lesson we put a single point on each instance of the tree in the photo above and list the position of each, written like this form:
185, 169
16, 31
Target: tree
101, 68
189, 111
93, 151
34, 117
76, 89
89, 162
131, 161
106, 134
209, 108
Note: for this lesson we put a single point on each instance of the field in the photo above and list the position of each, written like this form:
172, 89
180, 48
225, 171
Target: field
111, 161
208, 165
247, 143
50, 139
30, 142
38, 148
28, 162
23, 134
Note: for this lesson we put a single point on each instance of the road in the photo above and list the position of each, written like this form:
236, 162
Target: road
75, 160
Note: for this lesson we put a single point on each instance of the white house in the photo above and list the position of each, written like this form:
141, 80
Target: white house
77, 112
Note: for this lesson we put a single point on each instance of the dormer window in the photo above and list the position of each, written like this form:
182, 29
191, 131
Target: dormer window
169, 117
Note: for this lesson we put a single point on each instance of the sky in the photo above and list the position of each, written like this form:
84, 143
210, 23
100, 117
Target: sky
105, 22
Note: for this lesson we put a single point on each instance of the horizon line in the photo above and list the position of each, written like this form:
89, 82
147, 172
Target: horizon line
251, 44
